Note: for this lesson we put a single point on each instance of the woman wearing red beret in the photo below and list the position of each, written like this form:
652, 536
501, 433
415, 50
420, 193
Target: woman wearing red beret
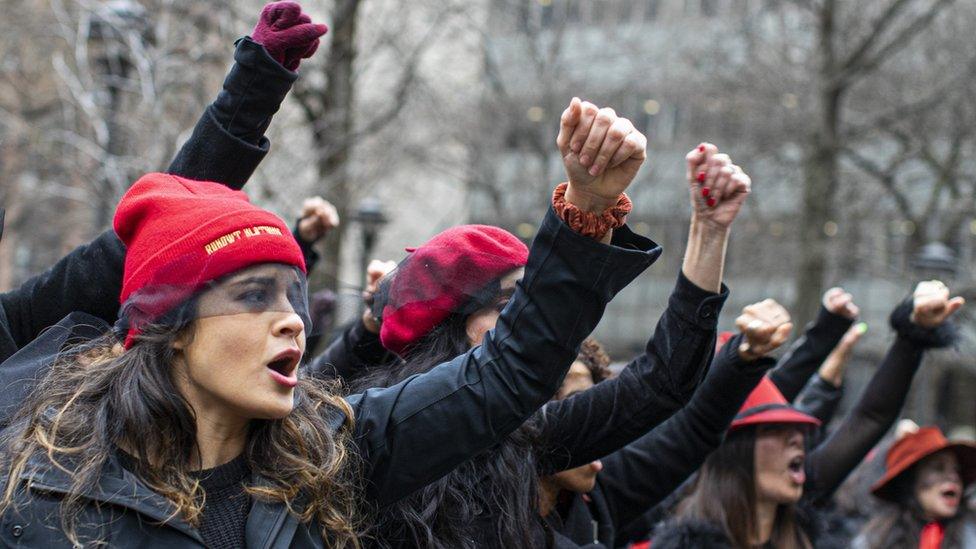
760, 488
189, 425
924, 483
445, 299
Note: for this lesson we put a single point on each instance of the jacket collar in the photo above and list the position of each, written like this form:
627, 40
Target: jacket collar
268, 524
116, 485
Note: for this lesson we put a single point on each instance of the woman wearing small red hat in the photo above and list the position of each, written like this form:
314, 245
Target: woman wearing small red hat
760, 488
447, 295
192, 427
924, 482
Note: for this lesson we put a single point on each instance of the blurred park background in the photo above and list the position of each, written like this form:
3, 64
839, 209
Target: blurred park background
856, 120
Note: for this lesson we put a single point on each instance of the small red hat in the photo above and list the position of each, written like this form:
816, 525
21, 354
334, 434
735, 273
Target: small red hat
915, 447
441, 276
766, 404
180, 234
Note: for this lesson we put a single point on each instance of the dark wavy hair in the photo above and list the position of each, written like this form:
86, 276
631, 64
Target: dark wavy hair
494, 495
725, 494
98, 399
899, 524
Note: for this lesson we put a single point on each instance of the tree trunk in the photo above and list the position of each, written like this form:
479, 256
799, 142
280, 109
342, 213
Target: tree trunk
333, 131
819, 177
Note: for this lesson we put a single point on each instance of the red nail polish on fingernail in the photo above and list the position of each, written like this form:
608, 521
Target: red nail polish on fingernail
706, 191
701, 177
710, 202
701, 148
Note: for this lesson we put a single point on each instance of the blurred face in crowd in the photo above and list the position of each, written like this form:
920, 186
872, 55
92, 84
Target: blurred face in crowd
779, 458
938, 485
240, 356
481, 321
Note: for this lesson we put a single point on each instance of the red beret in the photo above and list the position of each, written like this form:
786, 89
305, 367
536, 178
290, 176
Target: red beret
441, 276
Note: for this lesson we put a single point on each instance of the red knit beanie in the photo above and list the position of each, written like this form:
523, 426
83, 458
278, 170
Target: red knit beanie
180, 234
441, 276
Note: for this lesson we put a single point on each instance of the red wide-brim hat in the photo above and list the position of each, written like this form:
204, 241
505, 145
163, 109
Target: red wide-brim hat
765, 405
914, 448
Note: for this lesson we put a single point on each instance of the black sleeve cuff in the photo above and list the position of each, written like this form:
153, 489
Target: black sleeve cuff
308, 250
695, 305
627, 255
730, 355
925, 338
831, 323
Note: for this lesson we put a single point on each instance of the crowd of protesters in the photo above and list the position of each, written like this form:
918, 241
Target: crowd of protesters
158, 393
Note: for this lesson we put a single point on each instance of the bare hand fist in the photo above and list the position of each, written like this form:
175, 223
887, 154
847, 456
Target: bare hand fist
766, 326
601, 153
841, 303
375, 271
931, 304
718, 187
317, 219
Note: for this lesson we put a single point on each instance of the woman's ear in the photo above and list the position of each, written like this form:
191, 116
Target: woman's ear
183, 339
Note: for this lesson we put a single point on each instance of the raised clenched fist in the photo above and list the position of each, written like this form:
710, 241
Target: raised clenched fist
601, 153
718, 187
375, 271
931, 305
766, 326
841, 303
317, 219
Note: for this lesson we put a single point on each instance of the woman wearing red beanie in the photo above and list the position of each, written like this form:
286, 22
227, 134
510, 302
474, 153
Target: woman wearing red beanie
190, 426
226, 146
924, 485
761, 489
445, 299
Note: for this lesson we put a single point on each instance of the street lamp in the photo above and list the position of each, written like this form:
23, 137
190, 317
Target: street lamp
371, 219
935, 260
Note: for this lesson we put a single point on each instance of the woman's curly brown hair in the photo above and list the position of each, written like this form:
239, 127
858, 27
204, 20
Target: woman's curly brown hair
595, 357
98, 399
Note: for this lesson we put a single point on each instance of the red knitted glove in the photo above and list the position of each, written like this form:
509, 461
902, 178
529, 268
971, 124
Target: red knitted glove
587, 223
287, 34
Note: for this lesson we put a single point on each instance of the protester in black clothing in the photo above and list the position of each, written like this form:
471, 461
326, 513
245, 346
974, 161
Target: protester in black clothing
226, 146
923, 487
213, 333
589, 505
492, 500
748, 493
801, 361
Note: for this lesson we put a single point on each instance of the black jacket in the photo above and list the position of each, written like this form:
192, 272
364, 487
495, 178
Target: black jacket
409, 434
639, 476
226, 146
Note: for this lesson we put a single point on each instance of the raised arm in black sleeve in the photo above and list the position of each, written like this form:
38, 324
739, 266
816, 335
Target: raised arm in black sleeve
830, 463
226, 147
644, 472
604, 418
228, 141
414, 432
808, 352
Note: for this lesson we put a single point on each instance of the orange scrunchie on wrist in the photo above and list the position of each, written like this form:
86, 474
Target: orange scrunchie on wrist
587, 223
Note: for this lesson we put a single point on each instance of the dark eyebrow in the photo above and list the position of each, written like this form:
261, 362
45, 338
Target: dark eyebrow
262, 280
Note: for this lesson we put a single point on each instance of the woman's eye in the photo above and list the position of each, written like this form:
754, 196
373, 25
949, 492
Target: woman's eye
256, 296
